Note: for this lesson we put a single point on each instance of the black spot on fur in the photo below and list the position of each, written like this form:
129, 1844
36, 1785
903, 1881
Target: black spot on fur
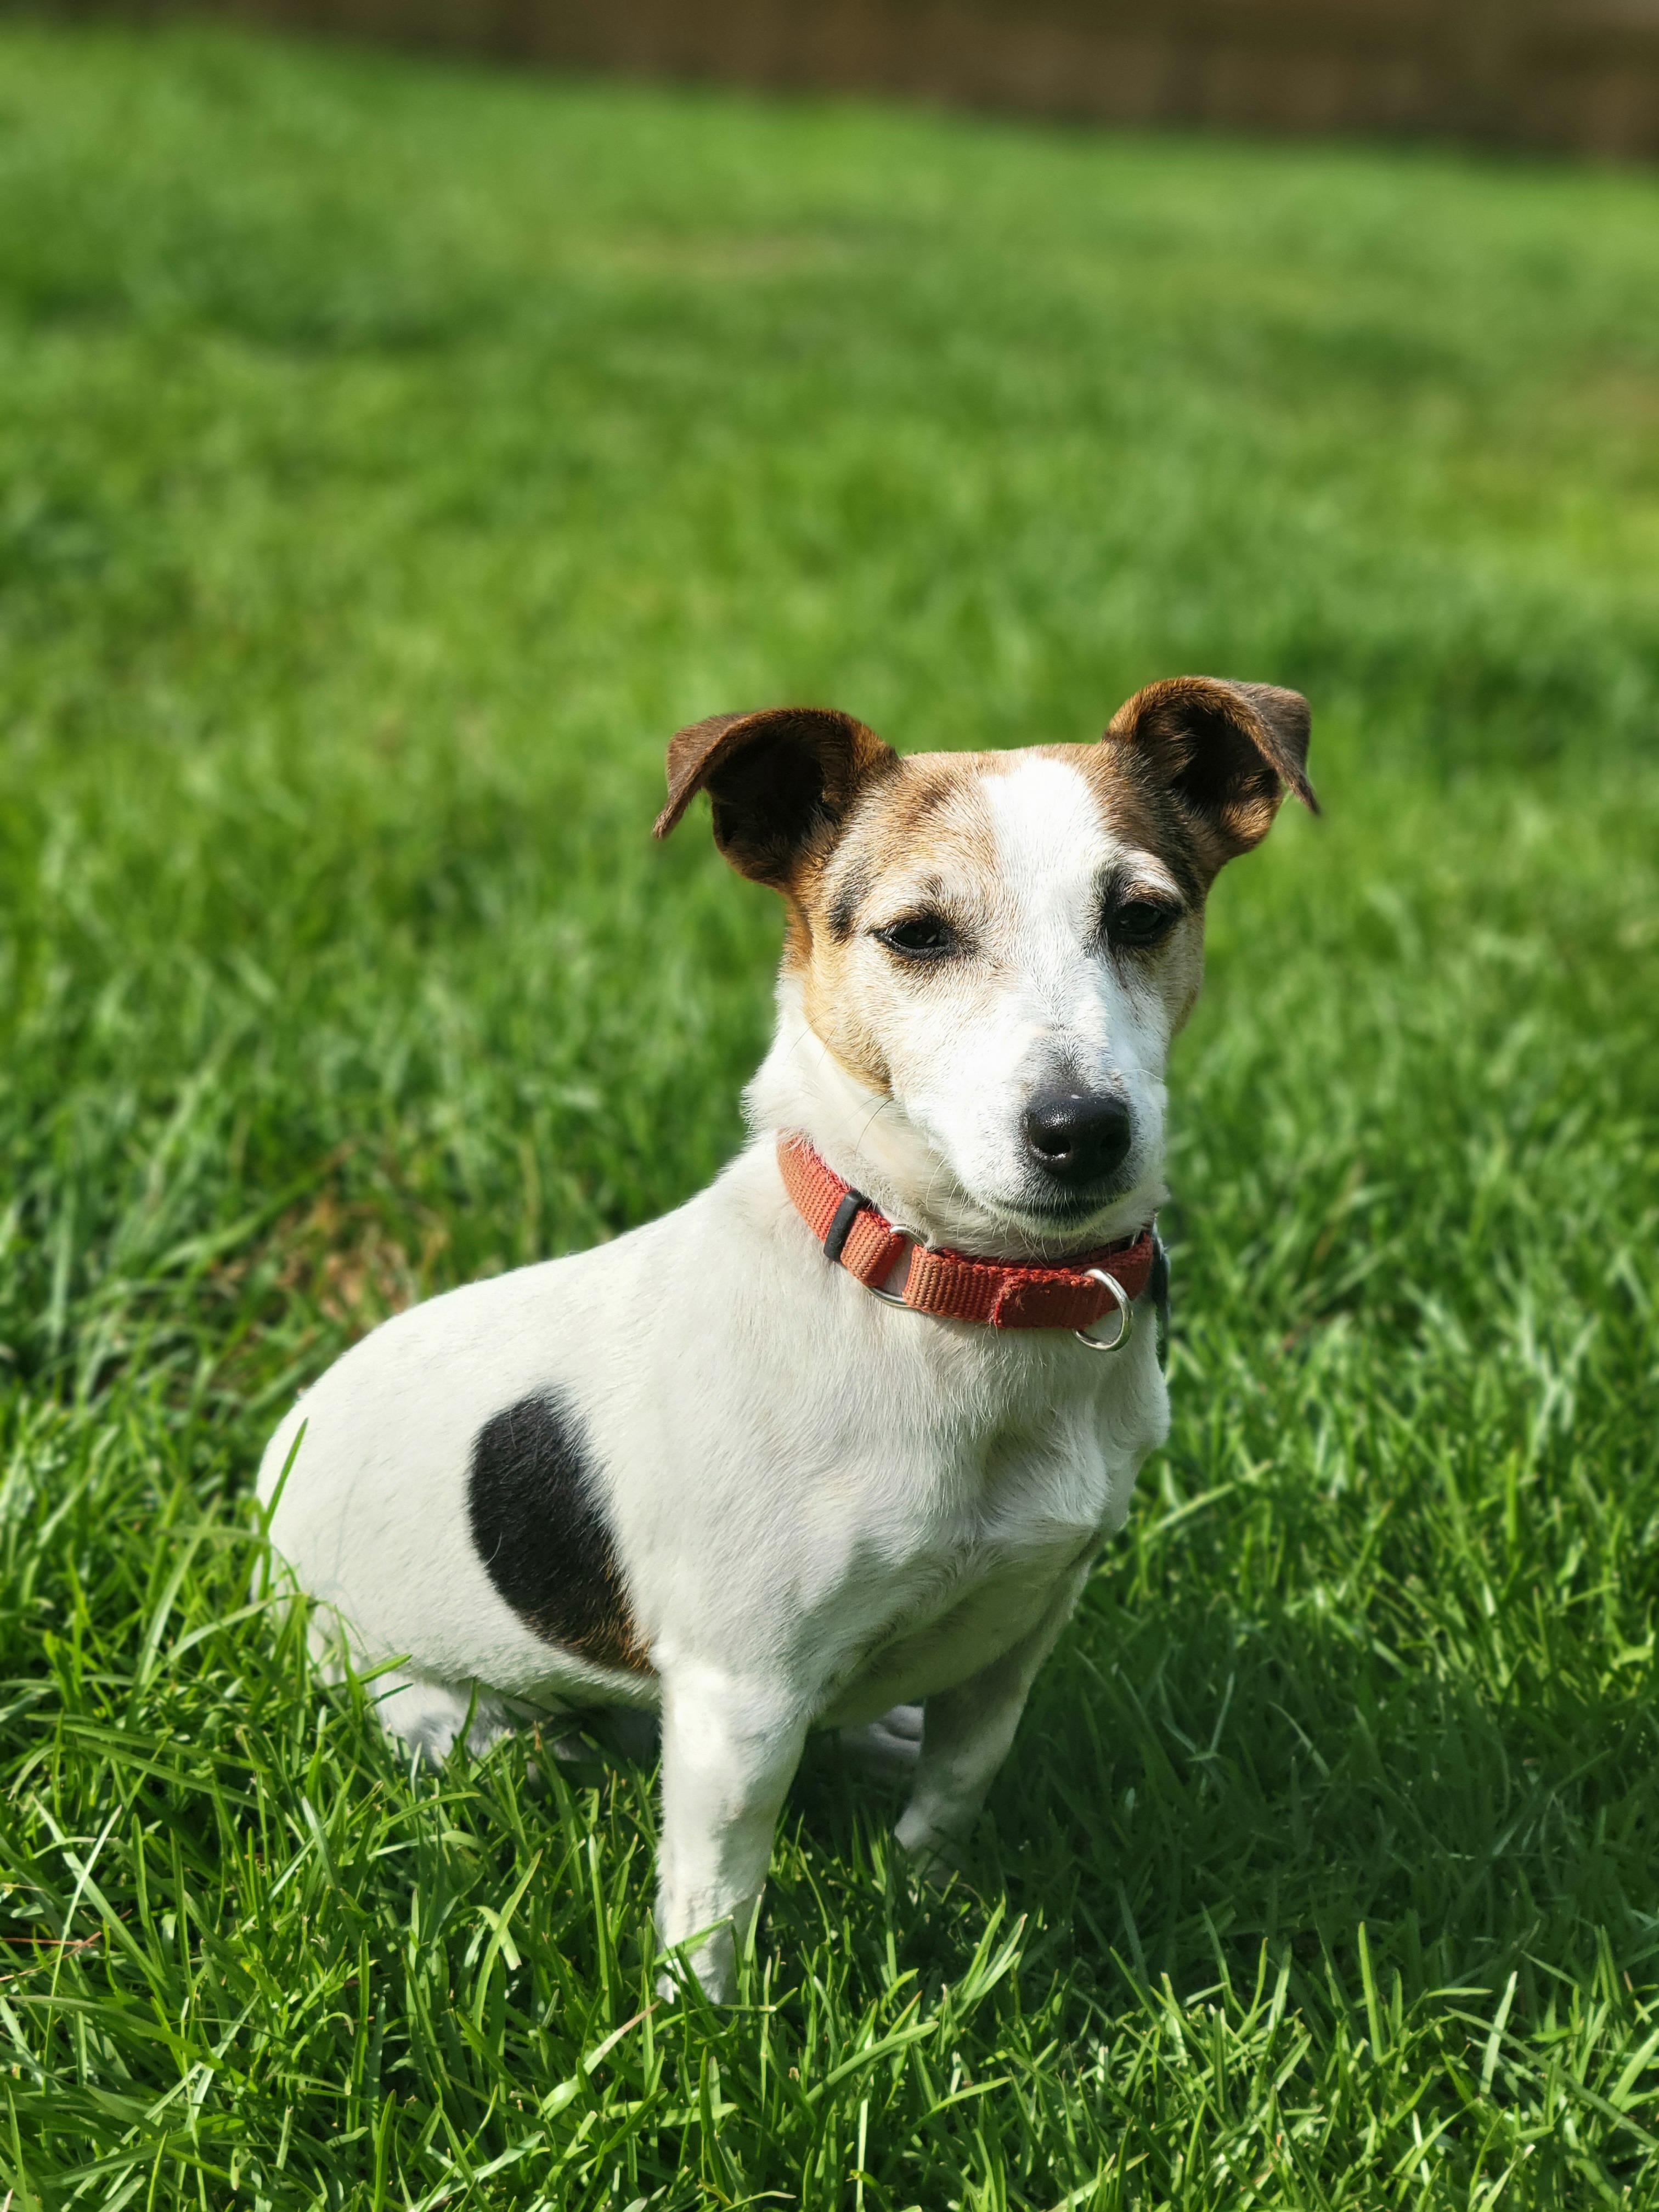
854, 889
542, 1536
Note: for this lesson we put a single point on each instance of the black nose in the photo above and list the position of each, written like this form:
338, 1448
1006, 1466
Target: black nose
1077, 1139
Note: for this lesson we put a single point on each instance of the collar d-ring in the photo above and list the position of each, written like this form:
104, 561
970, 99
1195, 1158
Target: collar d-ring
1126, 1315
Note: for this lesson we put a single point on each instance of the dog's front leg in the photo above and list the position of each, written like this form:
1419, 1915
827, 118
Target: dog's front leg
729, 1748
967, 1733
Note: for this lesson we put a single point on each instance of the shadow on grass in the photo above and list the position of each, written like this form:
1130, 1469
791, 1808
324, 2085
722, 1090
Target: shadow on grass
1186, 1789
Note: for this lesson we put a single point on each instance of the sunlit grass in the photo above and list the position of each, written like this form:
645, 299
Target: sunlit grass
389, 461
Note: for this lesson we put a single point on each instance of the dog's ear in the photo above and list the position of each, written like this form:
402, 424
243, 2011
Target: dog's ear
781, 781
1225, 753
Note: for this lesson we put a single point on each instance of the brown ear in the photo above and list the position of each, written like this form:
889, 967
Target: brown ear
781, 781
1225, 752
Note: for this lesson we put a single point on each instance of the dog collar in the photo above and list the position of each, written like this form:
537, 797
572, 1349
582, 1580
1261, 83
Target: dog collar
1002, 1294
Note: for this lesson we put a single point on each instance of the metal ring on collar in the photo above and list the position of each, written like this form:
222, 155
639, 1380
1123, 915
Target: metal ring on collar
897, 1298
1126, 1315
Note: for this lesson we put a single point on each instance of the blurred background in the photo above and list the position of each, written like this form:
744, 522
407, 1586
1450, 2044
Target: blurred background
1577, 73
396, 446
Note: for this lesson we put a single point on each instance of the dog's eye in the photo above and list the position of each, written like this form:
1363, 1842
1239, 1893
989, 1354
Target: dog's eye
920, 937
1139, 922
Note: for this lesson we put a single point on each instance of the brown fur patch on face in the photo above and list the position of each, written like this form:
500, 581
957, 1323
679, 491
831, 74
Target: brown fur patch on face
928, 804
851, 889
1138, 811
1141, 813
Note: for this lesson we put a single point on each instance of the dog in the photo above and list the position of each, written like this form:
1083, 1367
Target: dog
837, 1443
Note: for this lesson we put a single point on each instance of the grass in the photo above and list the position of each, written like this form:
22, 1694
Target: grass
389, 460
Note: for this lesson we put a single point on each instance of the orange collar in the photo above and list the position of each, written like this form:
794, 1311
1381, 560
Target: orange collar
1003, 1294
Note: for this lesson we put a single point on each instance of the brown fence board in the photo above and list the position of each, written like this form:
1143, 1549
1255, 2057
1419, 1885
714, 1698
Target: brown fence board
1579, 75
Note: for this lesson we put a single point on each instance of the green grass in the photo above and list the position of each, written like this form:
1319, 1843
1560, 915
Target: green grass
389, 461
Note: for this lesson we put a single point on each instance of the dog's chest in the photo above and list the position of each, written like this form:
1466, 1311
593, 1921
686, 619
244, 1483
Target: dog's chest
963, 1556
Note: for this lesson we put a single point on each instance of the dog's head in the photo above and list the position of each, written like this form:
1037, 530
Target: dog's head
994, 949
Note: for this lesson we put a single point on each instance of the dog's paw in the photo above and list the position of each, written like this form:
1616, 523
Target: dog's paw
431, 1716
714, 1966
891, 1746
937, 1851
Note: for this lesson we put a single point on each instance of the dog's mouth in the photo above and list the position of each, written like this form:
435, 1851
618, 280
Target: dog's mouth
1076, 1216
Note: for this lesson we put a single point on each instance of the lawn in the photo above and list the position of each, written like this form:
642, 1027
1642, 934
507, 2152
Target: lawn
390, 459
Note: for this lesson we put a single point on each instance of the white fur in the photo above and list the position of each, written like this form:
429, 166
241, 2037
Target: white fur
824, 1508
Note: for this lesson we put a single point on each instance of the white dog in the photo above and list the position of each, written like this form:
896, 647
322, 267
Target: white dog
786, 1458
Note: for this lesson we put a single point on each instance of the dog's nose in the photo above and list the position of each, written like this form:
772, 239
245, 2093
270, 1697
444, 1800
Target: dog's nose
1078, 1138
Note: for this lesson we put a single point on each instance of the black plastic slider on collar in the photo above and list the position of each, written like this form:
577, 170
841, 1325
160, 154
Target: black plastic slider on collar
842, 1227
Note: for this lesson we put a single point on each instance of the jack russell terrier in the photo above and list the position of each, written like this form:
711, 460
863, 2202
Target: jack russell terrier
837, 1443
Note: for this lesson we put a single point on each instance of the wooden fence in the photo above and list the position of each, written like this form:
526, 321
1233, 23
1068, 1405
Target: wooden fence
1580, 75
